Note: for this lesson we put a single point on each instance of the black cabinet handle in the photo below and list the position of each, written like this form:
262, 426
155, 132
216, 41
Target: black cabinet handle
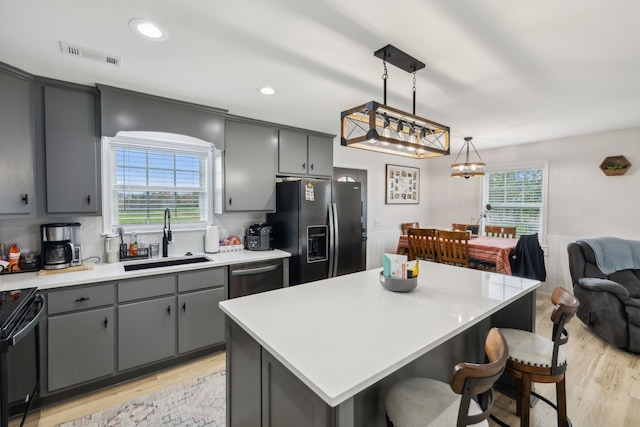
311, 166
89, 199
230, 201
24, 198
106, 322
184, 306
304, 165
82, 299
169, 310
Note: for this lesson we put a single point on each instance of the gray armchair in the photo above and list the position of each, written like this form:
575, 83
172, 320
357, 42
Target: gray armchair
606, 279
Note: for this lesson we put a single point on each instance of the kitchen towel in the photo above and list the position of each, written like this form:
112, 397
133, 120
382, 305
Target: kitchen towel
212, 239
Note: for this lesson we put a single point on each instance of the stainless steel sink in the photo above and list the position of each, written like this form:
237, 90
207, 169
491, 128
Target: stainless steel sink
165, 263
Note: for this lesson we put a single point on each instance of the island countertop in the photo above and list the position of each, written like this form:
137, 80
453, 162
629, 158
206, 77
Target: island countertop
343, 334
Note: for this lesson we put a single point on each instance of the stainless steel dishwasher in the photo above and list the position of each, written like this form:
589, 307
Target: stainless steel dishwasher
260, 276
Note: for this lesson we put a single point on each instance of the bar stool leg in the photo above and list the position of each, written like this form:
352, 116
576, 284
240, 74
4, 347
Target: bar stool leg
525, 401
561, 395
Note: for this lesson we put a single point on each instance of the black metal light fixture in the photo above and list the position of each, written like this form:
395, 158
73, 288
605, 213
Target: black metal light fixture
378, 127
467, 169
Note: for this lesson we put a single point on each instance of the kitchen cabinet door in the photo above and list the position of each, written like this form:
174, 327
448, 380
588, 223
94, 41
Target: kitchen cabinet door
146, 332
292, 153
17, 144
200, 320
300, 154
250, 167
81, 347
71, 147
320, 156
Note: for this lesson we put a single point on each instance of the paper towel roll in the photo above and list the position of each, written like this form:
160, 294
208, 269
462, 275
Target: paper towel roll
212, 239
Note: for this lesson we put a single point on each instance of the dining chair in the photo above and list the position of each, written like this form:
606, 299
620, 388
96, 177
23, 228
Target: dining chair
467, 399
422, 244
533, 358
452, 247
500, 231
405, 226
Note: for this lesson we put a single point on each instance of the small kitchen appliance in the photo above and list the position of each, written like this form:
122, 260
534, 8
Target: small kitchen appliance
259, 237
61, 245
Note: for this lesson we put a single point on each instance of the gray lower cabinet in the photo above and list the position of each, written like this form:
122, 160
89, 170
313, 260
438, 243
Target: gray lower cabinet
250, 167
80, 335
200, 320
146, 332
71, 150
81, 347
17, 143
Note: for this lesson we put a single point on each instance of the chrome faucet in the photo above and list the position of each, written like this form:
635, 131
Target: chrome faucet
166, 233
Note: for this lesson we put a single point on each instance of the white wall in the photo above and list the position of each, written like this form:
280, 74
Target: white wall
582, 201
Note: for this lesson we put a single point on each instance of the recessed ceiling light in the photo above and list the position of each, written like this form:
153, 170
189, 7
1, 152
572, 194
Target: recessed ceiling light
148, 30
266, 90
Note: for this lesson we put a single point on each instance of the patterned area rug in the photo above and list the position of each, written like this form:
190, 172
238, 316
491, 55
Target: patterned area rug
199, 402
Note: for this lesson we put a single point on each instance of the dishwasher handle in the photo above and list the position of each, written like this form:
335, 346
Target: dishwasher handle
255, 270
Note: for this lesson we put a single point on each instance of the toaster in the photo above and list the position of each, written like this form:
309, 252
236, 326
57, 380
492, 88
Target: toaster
258, 237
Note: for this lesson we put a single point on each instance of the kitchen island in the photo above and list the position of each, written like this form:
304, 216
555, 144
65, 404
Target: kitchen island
324, 353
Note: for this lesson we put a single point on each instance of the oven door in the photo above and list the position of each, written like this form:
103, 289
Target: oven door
254, 277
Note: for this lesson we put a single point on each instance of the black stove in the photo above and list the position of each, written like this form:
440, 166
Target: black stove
12, 309
20, 312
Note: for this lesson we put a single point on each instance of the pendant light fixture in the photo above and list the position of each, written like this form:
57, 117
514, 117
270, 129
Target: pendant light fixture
467, 169
378, 127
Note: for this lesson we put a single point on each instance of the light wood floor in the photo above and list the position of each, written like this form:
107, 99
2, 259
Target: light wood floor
603, 384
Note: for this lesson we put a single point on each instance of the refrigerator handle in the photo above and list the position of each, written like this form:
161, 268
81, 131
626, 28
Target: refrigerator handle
336, 241
331, 234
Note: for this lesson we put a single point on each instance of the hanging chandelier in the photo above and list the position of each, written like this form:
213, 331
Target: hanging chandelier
467, 169
378, 127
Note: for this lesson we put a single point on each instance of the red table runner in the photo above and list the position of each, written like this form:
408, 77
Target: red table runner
491, 249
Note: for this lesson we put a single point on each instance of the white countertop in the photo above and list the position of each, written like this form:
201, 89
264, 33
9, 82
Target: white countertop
341, 335
106, 272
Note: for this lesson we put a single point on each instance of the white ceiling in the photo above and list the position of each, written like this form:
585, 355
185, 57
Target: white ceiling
502, 71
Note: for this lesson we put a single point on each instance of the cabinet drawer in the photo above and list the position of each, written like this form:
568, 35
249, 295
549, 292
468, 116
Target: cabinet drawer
201, 279
80, 298
148, 287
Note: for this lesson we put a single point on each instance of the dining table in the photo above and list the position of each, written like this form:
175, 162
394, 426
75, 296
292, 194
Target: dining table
494, 250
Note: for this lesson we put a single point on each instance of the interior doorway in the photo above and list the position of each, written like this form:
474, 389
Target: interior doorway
357, 175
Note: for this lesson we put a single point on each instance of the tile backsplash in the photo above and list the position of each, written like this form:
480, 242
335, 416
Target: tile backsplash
26, 233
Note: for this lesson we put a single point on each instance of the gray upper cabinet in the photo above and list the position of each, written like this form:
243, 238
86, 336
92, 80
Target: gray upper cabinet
17, 143
302, 154
71, 150
250, 167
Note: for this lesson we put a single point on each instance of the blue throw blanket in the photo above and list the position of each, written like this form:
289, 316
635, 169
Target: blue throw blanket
614, 254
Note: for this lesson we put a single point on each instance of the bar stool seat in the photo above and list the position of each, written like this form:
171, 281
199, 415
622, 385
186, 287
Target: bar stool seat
536, 359
420, 401
466, 400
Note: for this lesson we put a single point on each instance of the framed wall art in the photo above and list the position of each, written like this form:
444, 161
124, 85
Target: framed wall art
402, 185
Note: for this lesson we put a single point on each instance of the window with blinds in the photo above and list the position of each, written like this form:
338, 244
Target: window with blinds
516, 198
148, 176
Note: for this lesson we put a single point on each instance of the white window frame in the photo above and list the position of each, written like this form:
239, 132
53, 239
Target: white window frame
544, 165
160, 141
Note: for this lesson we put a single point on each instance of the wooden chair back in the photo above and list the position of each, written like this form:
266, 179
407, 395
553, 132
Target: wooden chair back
460, 227
405, 226
472, 379
566, 306
500, 231
452, 247
422, 243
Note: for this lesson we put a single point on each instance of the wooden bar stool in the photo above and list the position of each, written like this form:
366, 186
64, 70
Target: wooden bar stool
533, 358
467, 399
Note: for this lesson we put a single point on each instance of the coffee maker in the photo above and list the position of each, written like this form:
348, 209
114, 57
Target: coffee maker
61, 243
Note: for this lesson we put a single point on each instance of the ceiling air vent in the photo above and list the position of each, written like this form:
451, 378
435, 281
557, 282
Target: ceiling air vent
93, 54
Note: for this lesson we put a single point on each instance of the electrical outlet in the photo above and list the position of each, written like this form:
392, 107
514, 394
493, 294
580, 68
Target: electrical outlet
377, 222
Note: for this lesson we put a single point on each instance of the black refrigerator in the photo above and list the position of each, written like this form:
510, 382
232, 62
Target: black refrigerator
320, 223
